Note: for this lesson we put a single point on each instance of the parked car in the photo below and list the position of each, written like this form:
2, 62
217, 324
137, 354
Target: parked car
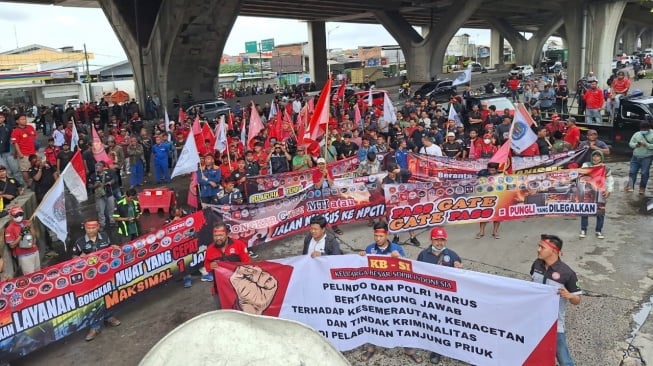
476, 67
500, 102
212, 108
378, 96
522, 71
439, 90
73, 102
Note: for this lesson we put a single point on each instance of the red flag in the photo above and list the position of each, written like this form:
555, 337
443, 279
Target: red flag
191, 199
502, 156
301, 130
182, 116
230, 125
97, 147
207, 134
320, 117
276, 130
196, 125
311, 104
341, 90
255, 125
357, 115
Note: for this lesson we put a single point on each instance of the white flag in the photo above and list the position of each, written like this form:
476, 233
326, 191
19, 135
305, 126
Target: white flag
220, 136
74, 140
52, 210
453, 116
463, 78
369, 97
167, 119
389, 112
188, 160
521, 134
273, 110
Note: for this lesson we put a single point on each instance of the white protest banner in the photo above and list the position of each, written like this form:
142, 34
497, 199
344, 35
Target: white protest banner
351, 300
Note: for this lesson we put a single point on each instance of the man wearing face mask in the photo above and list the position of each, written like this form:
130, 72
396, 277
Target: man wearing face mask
439, 254
224, 249
20, 235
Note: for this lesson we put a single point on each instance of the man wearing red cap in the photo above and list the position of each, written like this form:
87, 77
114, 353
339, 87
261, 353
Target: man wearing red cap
92, 241
548, 269
439, 254
20, 235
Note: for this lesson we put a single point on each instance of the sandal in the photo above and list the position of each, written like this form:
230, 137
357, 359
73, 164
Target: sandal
642, 191
337, 230
628, 189
416, 357
496, 236
369, 353
479, 235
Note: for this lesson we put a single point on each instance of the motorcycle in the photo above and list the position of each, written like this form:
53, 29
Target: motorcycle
404, 93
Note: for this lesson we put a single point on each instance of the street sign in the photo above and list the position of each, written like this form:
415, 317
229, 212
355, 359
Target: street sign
267, 45
250, 47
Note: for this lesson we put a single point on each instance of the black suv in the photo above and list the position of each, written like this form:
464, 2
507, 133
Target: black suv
439, 90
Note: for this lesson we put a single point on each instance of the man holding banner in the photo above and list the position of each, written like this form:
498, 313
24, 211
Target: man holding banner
548, 269
383, 246
439, 254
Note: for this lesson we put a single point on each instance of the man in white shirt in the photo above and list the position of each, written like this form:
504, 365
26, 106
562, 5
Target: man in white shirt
318, 242
429, 148
59, 136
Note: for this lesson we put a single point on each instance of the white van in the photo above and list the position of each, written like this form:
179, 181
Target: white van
73, 102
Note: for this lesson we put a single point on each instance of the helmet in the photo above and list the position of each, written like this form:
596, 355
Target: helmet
438, 233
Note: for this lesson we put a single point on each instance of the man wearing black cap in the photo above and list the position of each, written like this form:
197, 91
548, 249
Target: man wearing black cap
548, 269
347, 148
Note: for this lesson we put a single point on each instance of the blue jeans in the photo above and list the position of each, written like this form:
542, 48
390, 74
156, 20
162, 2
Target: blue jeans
593, 116
637, 164
562, 351
584, 222
97, 325
136, 176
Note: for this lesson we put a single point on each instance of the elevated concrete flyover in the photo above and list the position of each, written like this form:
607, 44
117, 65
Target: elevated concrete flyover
174, 45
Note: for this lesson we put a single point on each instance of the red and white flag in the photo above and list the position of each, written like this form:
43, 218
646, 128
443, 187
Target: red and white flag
196, 125
521, 135
74, 175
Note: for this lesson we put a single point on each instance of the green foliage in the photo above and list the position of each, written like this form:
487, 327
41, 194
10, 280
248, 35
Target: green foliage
234, 68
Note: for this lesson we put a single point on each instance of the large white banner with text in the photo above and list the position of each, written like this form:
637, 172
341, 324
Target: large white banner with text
351, 300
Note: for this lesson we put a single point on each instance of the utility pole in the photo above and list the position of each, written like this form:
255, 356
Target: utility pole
88, 76
260, 60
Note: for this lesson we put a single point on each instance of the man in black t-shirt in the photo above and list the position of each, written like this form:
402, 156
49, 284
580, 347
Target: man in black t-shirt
43, 176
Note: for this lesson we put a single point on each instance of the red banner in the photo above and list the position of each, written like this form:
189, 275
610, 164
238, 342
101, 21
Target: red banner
62, 299
349, 200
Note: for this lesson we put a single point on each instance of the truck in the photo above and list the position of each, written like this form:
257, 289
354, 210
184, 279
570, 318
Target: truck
359, 75
616, 132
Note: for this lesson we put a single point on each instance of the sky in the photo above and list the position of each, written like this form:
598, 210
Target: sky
56, 27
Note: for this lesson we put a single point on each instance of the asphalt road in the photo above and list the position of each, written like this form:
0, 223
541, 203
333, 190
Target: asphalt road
615, 275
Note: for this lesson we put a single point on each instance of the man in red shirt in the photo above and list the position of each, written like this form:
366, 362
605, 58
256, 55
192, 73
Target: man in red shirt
20, 235
619, 89
23, 137
224, 249
555, 125
593, 98
573, 133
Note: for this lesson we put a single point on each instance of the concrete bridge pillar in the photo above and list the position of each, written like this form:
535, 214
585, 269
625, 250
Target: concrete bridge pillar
496, 48
317, 52
425, 54
646, 38
527, 52
175, 47
630, 41
600, 37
